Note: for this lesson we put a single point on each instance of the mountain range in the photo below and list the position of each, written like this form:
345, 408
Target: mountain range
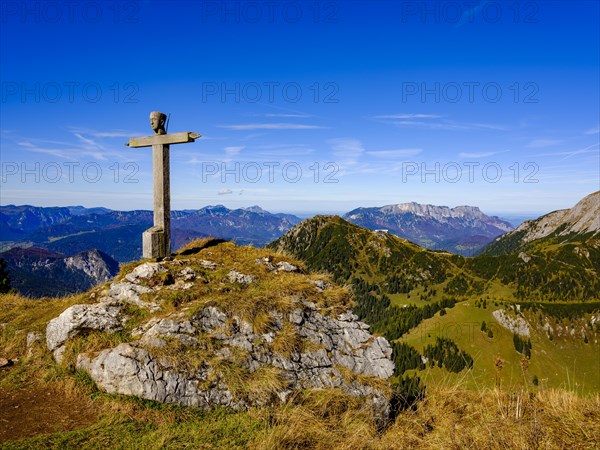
463, 230
42, 237
534, 292
71, 230
563, 264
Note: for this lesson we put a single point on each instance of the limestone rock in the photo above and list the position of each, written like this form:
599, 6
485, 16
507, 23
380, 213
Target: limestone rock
321, 285
133, 371
285, 266
187, 274
32, 338
282, 266
210, 319
78, 318
208, 264
266, 261
525, 257
238, 277
130, 293
516, 325
183, 330
144, 272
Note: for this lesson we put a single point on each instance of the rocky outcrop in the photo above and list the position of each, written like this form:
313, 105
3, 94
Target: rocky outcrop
575, 223
38, 272
187, 356
81, 318
339, 343
516, 325
584, 217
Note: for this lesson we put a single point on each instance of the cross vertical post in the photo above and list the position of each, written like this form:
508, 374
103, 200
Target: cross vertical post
162, 198
156, 241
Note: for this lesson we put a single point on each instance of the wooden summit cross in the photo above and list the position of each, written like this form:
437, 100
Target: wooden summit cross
156, 241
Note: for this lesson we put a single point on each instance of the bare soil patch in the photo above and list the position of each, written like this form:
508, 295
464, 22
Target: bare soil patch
34, 410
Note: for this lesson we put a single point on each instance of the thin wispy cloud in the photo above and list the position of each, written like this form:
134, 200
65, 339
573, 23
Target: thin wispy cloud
408, 116
284, 150
594, 130
589, 149
83, 143
447, 125
346, 147
90, 143
116, 133
270, 126
225, 192
477, 155
542, 143
40, 142
57, 153
298, 116
233, 151
194, 160
347, 151
434, 122
569, 154
395, 154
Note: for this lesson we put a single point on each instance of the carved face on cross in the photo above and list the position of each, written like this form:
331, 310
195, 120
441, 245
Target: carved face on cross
157, 121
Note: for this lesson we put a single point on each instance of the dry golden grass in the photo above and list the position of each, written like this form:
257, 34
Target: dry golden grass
447, 419
259, 387
198, 245
454, 418
19, 314
287, 340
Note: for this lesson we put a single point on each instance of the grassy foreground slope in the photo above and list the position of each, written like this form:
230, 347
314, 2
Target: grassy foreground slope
69, 412
48, 405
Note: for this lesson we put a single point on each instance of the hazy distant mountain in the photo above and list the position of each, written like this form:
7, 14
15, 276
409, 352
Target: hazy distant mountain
245, 226
463, 230
80, 210
16, 222
118, 233
578, 224
36, 272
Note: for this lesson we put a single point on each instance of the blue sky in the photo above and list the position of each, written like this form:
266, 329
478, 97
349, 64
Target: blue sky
307, 106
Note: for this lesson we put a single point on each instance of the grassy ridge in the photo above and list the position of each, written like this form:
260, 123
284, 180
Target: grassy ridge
549, 272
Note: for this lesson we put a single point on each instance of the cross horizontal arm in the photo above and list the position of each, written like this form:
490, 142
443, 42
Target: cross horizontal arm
164, 139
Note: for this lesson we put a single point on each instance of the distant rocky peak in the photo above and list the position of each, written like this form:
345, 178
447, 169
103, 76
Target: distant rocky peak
95, 264
463, 229
255, 209
434, 211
